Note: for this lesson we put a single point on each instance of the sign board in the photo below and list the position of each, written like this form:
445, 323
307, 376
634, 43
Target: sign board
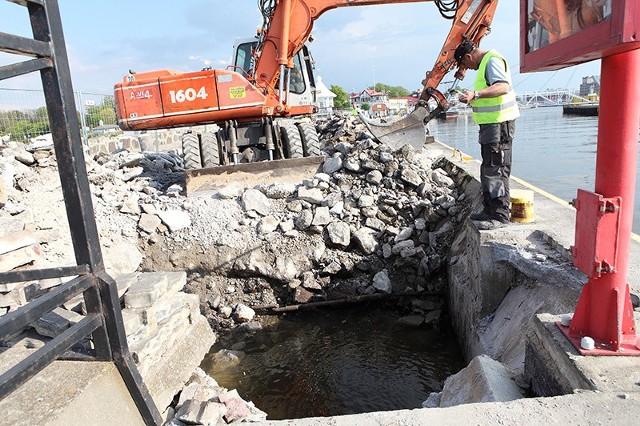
559, 33
89, 103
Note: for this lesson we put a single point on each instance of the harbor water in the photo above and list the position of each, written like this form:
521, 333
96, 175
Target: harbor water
553, 151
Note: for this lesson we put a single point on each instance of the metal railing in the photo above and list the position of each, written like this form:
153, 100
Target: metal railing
103, 319
23, 114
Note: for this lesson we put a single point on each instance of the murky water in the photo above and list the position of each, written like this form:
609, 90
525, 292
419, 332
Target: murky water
334, 362
553, 151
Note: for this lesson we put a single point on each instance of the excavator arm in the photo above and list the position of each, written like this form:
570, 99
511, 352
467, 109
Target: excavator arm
166, 98
288, 24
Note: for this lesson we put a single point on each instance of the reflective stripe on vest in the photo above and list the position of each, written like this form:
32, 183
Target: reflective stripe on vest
493, 110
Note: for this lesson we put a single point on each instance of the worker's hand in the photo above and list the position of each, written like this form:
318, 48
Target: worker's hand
467, 97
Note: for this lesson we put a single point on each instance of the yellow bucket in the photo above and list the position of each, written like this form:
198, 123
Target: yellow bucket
521, 205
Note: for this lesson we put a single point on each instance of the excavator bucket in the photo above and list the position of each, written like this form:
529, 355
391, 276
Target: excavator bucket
290, 170
410, 129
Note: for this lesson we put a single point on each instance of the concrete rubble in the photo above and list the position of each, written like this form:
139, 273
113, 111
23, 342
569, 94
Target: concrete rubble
372, 221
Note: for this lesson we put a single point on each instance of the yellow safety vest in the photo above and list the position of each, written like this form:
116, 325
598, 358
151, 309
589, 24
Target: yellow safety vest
493, 110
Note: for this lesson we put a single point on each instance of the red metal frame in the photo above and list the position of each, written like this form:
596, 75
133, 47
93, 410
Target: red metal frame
604, 218
614, 35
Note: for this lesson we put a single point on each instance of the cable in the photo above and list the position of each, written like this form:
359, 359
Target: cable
447, 8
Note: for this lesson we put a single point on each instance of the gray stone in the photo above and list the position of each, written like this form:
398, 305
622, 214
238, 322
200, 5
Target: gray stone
303, 220
280, 190
149, 223
239, 409
287, 225
440, 177
267, 225
483, 380
25, 157
381, 282
16, 241
252, 199
322, 216
374, 177
255, 262
433, 317
402, 245
313, 195
411, 320
375, 223
366, 240
332, 165
385, 157
175, 219
286, 268
352, 164
130, 206
243, 313
148, 288
433, 401
411, 177
366, 201
20, 257
404, 234
337, 209
339, 233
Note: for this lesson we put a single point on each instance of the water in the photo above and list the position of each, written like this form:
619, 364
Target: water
335, 362
552, 151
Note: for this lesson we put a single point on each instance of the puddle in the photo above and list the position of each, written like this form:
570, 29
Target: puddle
336, 362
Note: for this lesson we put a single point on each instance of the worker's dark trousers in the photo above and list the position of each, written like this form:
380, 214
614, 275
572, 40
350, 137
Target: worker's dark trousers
496, 140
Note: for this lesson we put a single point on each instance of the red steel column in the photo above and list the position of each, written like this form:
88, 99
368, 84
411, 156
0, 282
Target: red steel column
605, 314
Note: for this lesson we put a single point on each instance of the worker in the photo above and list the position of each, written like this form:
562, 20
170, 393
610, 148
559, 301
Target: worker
495, 109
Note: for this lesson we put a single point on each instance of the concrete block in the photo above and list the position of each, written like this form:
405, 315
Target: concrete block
133, 323
146, 290
167, 307
20, 257
16, 241
483, 380
168, 376
125, 281
55, 322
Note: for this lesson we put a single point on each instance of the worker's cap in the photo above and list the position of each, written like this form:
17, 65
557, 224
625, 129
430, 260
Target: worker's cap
464, 48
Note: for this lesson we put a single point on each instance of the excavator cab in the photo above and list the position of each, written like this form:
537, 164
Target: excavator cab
302, 86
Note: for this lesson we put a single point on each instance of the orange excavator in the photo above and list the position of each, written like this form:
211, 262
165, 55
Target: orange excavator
255, 105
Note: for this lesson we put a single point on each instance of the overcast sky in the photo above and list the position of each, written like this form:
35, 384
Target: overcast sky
354, 46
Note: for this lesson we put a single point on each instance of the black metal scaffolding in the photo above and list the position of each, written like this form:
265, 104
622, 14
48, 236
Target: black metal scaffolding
103, 320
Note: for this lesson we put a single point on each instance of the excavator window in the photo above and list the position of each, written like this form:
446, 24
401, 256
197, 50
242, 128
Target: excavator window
244, 59
297, 84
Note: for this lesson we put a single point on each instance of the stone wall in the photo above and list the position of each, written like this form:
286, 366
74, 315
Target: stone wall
151, 141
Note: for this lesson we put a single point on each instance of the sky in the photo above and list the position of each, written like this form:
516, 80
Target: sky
353, 48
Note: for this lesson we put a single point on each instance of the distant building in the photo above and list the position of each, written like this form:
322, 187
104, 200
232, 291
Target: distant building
379, 110
590, 86
324, 99
368, 96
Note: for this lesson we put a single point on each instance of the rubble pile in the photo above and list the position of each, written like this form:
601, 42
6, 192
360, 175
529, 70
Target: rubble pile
371, 222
